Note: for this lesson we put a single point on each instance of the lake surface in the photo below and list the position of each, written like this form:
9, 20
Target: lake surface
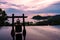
34, 33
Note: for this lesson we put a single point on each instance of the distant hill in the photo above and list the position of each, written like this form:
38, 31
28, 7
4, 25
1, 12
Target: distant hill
54, 19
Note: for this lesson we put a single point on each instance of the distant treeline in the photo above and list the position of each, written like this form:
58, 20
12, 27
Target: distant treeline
46, 20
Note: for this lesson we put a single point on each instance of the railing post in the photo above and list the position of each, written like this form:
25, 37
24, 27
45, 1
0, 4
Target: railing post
23, 21
13, 26
24, 30
13, 21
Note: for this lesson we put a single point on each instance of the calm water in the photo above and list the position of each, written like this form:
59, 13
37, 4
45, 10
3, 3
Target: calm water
34, 33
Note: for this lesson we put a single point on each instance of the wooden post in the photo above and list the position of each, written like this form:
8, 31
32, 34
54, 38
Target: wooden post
24, 30
13, 26
23, 21
12, 31
13, 21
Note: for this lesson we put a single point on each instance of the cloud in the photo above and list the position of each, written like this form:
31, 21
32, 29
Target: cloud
29, 4
54, 8
11, 10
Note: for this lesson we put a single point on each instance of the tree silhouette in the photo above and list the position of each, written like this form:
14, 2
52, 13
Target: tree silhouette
3, 17
37, 17
54, 19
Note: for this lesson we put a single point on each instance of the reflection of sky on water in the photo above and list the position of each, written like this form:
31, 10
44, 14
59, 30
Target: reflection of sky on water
5, 33
34, 33
43, 33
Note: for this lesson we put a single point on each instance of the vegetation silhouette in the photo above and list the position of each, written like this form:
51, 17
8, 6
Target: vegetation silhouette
51, 20
18, 26
3, 17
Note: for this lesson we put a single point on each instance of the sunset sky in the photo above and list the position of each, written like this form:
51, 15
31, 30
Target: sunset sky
31, 7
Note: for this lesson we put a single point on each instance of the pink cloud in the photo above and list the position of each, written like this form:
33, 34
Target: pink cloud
29, 4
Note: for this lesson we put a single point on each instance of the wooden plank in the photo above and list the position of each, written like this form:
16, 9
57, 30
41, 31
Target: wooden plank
17, 16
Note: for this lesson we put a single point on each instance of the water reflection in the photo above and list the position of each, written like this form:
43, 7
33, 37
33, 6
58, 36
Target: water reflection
24, 33
43, 33
34, 33
13, 34
18, 36
1, 27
